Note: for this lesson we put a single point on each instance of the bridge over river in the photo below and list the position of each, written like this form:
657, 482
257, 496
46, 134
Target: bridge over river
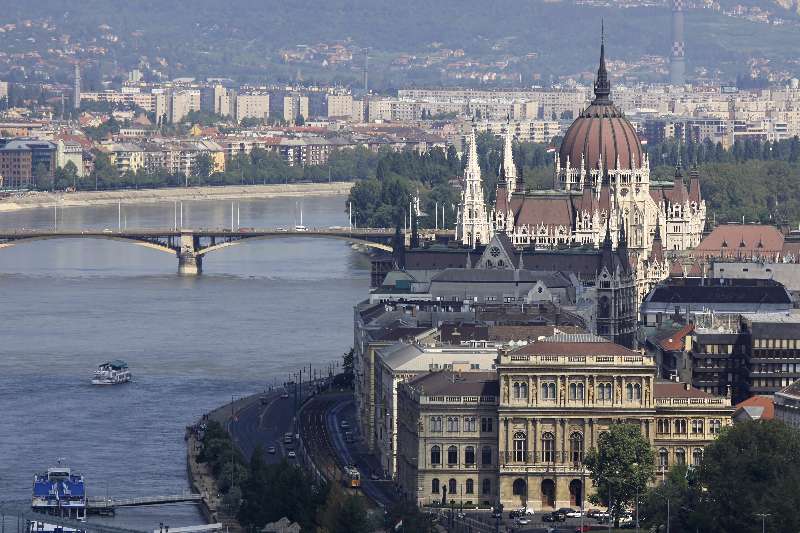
191, 245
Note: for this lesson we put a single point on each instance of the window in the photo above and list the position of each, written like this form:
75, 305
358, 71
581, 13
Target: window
697, 457
548, 448
549, 390
470, 424
519, 446
576, 391
436, 455
716, 426
680, 456
680, 426
634, 391
469, 455
452, 455
604, 392
452, 424
486, 456
663, 459
436, 424
452, 486
434, 486
469, 487
486, 486
697, 427
576, 448
520, 390
486, 424
662, 425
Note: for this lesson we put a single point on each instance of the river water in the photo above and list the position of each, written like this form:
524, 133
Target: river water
260, 310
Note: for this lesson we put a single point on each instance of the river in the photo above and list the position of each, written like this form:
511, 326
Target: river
259, 311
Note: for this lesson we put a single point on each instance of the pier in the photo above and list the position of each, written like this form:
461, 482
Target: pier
107, 506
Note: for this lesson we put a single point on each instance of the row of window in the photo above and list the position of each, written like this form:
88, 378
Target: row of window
470, 424
468, 487
469, 455
679, 426
680, 457
605, 391
548, 441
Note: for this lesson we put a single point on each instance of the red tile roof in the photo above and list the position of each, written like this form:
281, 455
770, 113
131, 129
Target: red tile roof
674, 342
733, 240
765, 402
670, 389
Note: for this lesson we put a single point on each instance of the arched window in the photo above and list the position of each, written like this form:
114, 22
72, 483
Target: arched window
637, 391
680, 426
548, 448
469, 486
518, 488
604, 392
519, 446
436, 455
435, 486
662, 426
515, 388
697, 426
523, 390
469, 455
576, 448
716, 426
549, 390
680, 456
452, 486
663, 459
576, 391
486, 486
697, 457
629, 389
452, 455
486, 455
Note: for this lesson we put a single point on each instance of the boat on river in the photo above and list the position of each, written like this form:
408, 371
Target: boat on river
59, 492
113, 372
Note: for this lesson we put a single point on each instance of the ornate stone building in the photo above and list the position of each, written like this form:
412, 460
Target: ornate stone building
519, 435
474, 227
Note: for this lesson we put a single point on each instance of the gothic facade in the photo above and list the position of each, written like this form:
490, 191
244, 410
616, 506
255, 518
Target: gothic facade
601, 186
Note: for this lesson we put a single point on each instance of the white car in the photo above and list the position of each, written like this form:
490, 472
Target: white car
291, 455
575, 513
523, 521
527, 511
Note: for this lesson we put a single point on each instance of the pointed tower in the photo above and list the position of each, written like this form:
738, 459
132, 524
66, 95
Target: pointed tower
509, 167
473, 227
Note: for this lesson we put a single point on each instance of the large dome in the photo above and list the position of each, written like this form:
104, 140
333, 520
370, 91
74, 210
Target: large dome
601, 130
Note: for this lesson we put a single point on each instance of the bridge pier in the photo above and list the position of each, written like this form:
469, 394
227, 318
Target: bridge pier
190, 263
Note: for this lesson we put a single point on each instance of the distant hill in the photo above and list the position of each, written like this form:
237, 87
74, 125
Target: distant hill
242, 38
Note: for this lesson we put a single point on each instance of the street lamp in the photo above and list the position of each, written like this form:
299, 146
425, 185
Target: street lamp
764, 516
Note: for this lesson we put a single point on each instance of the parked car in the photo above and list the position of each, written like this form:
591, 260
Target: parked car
592, 513
344, 424
555, 516
567, 511
292, 455
523, 521
272, 450
497, 513
574, 513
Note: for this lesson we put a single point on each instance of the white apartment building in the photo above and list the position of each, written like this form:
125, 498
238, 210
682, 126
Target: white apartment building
254, 106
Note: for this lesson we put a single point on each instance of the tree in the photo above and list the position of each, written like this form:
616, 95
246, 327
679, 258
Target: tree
621, 467
752, 468
42, 179
344, 513
202, 166
682, 492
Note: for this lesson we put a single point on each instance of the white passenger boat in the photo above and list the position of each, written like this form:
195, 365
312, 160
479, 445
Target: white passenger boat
112, 373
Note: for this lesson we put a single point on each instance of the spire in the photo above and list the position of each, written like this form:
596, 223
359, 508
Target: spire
607, 241
602, 87
469, 260
521, 265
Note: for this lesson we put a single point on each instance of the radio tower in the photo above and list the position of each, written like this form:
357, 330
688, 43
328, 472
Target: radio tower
366, 70
677, 65
76, 95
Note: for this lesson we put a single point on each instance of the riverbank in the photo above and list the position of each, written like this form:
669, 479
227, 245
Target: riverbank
35, 200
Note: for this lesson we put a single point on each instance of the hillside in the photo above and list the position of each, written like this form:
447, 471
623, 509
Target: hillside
248, 39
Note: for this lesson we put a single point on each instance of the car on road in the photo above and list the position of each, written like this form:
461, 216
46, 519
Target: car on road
291, 455
522, 511
374, 476
523, 521
285, 395
574, 513
555, 516
344, 424
264, 400
272, 450
569, 512
497, 513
